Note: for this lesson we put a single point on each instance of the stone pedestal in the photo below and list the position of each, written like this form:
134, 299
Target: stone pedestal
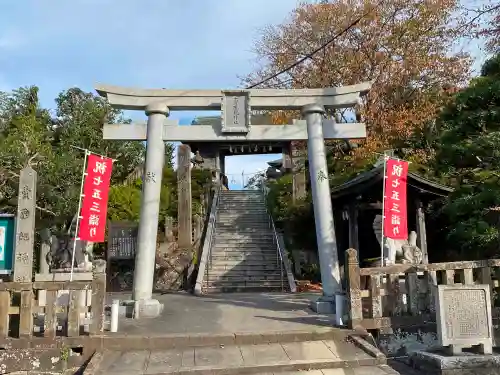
336, 305
150, 308
467, 363
324, 305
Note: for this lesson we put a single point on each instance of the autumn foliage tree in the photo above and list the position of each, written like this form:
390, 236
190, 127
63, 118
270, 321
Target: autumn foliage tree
405, 47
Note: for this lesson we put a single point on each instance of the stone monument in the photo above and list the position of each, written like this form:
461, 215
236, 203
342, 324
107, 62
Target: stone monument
465, 333
464, 317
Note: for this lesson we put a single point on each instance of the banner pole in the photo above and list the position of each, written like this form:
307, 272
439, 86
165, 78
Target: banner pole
382, 262
77, 226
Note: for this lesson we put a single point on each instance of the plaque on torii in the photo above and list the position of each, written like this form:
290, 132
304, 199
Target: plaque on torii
235, 111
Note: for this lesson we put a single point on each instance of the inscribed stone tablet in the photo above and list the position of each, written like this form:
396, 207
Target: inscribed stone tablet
25, 226
464, 315
235, 110
122, 240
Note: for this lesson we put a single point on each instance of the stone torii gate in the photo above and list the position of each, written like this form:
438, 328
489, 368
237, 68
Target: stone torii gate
236, 107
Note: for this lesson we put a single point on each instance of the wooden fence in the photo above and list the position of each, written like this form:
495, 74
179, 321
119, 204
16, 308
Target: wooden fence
21, 317
402, 295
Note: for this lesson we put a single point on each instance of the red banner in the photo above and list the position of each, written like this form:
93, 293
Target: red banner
95, 199
395, 209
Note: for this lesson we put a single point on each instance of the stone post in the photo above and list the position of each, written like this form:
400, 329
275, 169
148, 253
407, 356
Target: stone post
197, 227
25, 226
44, 267
184, 218
323, 213
217, 165
202, 203
298, 172
169, 229
150, 206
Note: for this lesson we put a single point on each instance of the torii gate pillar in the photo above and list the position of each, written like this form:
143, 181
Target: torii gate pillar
150, 206
331, 301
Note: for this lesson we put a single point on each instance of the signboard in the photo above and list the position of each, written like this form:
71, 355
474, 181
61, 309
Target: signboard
95, 199
464, 316
235, 111
122, 240
7, 224
395, 203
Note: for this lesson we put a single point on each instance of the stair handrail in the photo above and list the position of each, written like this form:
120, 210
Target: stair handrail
280, 247
206, 254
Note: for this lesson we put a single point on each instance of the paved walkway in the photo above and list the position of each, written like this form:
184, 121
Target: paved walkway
228, 313
222, 314
233, 359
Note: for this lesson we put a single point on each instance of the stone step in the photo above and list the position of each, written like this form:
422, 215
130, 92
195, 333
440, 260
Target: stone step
247, 245
232, 242
244, 236
244, 258
236, 198
244, 203
245, 250
243, 272
257, 227
314, 352
218, 267
264, 235
228, 264
242, 198
242, 279
244, 283
239, 213
243, 289
247, 204
238, 217
236, 213
251, 233
139, 342
221, 248
242, 226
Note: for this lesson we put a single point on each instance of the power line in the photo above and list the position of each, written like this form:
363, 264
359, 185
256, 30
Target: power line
309, 55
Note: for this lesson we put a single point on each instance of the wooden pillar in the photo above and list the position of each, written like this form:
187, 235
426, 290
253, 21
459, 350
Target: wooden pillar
184, 214
352, 213
421, 230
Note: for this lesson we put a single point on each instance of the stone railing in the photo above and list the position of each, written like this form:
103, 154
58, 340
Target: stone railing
403, 295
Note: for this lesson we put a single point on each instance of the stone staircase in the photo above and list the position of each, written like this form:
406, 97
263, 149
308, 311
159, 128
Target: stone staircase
244, 255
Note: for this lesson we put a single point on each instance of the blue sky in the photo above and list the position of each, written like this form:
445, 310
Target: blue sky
177, 44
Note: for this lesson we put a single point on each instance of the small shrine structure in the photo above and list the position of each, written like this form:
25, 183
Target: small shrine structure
357, 206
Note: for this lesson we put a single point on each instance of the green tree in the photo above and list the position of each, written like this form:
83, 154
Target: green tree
469, 155
33, 136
